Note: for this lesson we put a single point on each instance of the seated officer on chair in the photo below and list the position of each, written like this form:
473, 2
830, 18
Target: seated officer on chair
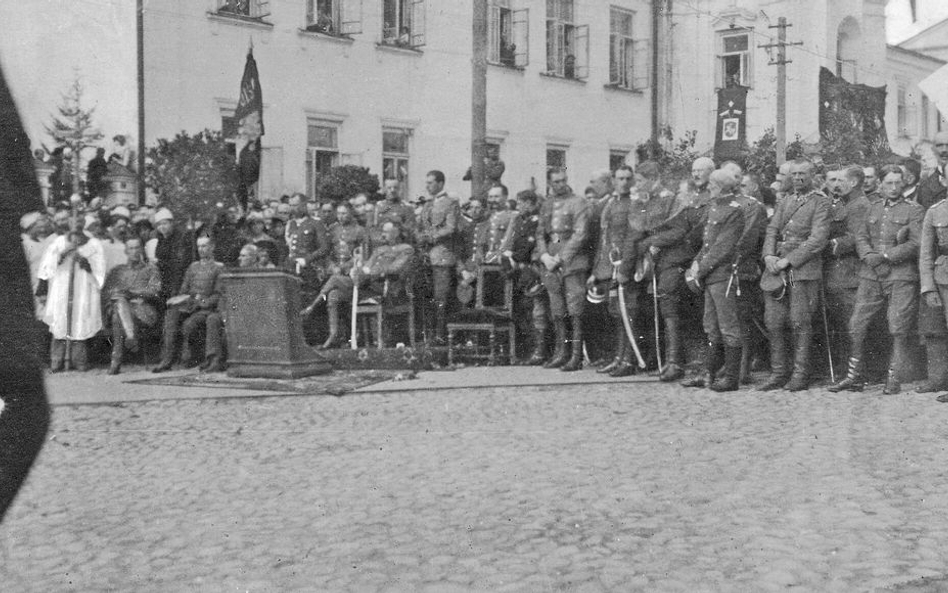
130, 293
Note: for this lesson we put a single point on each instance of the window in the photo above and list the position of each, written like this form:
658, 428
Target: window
555, 158
902, 112
322, 152
395, 156
617, 158
403, 23
735, 59
926, 109
628, 67
508, 35
334, 17
249, 9
567, 45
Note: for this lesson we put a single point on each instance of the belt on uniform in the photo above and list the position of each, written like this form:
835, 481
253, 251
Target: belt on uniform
559, 237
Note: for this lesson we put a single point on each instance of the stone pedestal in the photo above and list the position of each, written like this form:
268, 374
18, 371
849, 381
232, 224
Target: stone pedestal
264, 329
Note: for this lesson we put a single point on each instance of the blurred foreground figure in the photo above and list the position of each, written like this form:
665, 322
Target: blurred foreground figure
24, 413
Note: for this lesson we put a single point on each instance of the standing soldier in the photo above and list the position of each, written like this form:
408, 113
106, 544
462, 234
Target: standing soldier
308, 244
674, 246
713, 269
518, 250
887, 243
392, 209
437, 230
933, 268
561, 247
840, 262
796, 236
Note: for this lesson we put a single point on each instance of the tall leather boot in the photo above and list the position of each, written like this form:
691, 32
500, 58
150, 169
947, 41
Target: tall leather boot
714, 358
57, 355
621, 347
332, 313
746, 378
779, 361
800, 379
169, 336
539, 347
853, 381
672, 371
729, 380
118, 351
575, 361
626, 366
937, 350
559, 353
893, 383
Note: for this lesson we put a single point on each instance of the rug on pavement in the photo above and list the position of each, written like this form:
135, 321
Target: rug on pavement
335, 383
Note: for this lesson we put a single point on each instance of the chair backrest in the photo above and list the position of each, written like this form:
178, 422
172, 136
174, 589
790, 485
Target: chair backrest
491, 273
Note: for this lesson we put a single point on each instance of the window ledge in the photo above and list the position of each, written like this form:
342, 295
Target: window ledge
402, 49
622, 89
243, 21
344, 39
563, 78
507, 67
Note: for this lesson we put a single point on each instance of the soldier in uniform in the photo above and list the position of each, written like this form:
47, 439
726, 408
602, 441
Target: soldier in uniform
561, 248
500, 219
840, 261
308, 244
389, 268
713, 270
933, 269
437, 232
392, 209
518, 247
796, 237
674, 246
346, 236
196, 300
474, 243
887, 243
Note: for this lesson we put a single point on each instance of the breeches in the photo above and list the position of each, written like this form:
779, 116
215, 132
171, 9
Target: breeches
567, 293
898, 297
795, 310
721, 321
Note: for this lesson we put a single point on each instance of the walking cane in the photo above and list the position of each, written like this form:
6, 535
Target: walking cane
829, 349
356, 266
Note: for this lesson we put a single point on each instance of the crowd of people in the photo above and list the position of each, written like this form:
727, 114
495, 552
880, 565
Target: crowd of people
618, 278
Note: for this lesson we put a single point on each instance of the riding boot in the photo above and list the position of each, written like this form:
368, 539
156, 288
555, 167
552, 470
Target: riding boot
575, 362
779, 361
729, 380
672, 371
893, 384
800, 379
539, 347
332, 313
853, 381
746, 378
621, 347
57, 355
187, 360
937, 350
713, 361
118, 351
559, 352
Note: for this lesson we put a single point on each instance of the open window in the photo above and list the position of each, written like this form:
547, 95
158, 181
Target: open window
734, 61
403, 23
334, 17
322, 152
508, 35
244, 9
567, 44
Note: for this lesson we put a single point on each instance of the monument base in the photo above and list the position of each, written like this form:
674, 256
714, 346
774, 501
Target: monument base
294, 370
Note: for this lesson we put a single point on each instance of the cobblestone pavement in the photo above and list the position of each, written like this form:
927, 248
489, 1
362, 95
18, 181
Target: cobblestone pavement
640, 487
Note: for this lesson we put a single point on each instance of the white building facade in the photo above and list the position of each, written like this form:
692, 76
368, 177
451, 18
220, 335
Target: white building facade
386, 84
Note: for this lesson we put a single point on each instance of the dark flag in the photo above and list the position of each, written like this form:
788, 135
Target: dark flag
731, 132
852, 116
249, 115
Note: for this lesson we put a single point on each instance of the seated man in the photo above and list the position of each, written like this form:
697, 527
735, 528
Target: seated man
190, 308
383, 274
130, 293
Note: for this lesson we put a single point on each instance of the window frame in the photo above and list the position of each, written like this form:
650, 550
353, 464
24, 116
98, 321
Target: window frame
563, 35
508, 29
313, 152
746, 58
400, 159
414, 12
345, 19
256, 10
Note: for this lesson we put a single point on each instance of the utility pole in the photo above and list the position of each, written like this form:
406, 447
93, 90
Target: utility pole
781, 63
479, 98
140, 26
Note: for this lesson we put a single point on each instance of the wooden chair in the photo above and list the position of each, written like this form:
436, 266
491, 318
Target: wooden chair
495, 320
379, 309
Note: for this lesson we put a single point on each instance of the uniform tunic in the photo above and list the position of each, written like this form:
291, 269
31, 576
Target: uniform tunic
562, 232
841, 263
933, 255
438, 228
715, 270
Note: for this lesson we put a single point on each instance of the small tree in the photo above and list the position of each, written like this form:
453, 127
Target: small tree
674, 157
192, 174
73, 128
346, 181
761, 157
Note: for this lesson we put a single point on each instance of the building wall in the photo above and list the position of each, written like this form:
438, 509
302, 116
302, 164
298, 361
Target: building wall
921, 117
194, 61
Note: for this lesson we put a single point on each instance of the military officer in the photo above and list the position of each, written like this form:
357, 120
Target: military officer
561, 249
796, 237
840, 261
308, 244
437, 232
500, 219
933, 269
392, 209
474, 245
713, 270
518, 248
887, 242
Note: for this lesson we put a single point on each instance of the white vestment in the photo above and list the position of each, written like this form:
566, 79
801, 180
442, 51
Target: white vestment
86, 315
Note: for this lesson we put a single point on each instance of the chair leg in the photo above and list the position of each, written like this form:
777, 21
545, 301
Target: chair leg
379, 323
492, 360
512, 338
411, 325
450, 347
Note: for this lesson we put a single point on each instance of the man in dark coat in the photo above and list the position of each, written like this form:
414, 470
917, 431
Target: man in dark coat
174, 252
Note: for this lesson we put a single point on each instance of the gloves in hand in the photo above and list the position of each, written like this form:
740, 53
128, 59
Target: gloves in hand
874, 260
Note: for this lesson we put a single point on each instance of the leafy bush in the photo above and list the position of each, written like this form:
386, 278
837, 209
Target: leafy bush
346, 181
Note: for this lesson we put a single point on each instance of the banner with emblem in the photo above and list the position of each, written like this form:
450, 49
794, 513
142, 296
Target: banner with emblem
852, 117
249, 116
731, 135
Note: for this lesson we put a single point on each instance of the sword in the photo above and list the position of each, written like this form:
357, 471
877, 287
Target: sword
356, 264
628, 327
829, 349
658, 343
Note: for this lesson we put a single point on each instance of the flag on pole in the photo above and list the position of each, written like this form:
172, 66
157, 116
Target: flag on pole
731, 134
249, 115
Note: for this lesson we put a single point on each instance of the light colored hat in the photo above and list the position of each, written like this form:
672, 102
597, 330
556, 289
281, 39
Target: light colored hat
90, 220
163, 214
121, 211
95, 203
29, 219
